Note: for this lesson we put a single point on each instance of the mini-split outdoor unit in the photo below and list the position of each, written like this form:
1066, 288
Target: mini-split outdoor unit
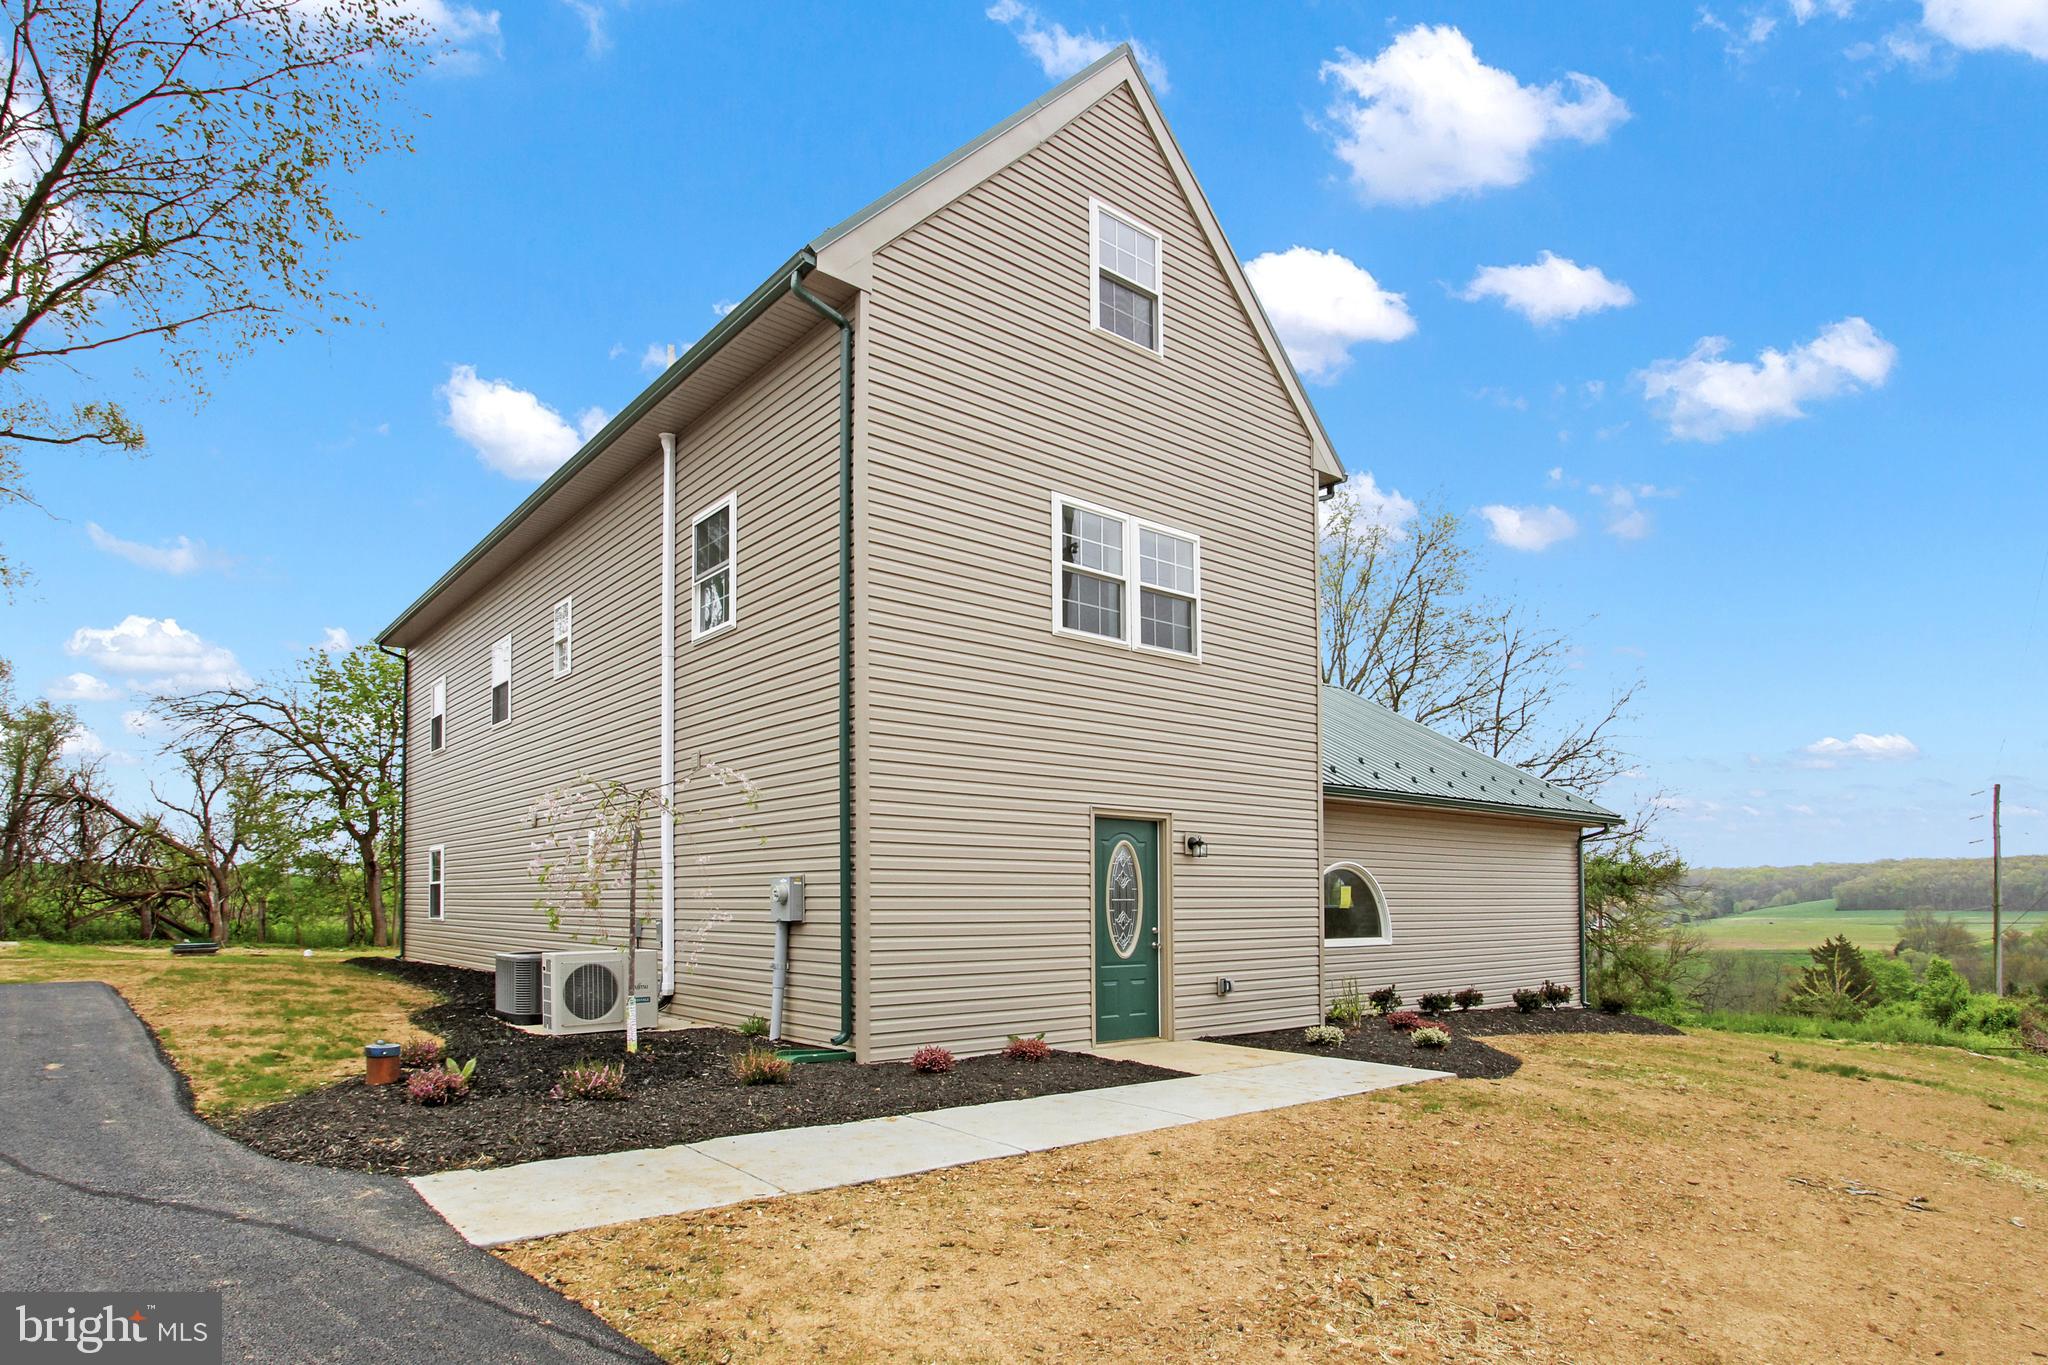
583, 990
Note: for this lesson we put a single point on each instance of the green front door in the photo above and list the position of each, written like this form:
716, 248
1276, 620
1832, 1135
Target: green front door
1126, 930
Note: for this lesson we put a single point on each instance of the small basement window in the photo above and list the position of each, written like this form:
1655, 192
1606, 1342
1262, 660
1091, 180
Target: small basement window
1128, 285
1354, 911
562, 655
501, 681
437, 864
714, 567
437, 724
1108, 562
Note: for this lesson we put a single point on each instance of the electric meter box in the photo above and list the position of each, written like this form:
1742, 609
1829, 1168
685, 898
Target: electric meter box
786, 899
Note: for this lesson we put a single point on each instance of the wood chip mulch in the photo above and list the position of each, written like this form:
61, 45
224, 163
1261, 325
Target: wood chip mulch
1465, 1055
680, 1088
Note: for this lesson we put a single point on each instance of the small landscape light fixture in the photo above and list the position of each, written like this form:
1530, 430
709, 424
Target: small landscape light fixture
1196, 845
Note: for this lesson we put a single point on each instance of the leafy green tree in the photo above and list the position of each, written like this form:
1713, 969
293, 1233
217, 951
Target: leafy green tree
1943, 992
1838, 983
169, 176
329, 739
1644, 952
33, 783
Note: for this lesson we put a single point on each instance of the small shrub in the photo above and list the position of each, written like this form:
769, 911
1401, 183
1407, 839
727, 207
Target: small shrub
1987, 1013
1528, 1002
1386, 999
1471, 998
444, 1084
753, 1026
759, 1066
1434, 1003
1611, 992
1554, 995
931, 1060
591, 1081
1401, 1021
415, 1053
1347, 1010
1322, 1035
1429, 1035
1032, 1049
1943, 992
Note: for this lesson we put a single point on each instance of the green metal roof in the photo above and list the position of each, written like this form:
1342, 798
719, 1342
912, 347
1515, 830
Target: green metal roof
1373, 754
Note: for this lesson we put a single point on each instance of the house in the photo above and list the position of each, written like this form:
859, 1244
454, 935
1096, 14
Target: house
981, 538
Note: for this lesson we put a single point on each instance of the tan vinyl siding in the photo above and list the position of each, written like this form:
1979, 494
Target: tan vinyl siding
757, 699
761, 698
1472, 900
986, 741
476, 795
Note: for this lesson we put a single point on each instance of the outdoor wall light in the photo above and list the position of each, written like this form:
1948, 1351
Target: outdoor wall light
1197, 846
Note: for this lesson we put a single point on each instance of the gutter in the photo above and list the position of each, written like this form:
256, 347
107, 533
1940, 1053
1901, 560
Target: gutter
1584, 977
404, 657
1591, 819
668, 724
838, 319
713, 341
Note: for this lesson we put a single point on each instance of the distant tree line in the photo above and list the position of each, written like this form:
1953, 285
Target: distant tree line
277, 816
1948, 885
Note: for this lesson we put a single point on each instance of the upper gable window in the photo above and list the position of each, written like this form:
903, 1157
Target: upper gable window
563, 657
1107, 563
437, 725
714, 567
1128, 277
501, 681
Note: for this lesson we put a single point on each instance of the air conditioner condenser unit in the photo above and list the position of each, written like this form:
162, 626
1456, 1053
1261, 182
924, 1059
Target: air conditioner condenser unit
583, 990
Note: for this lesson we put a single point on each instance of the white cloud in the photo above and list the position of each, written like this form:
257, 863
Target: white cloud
596, 40
1550, 290
335, 640
1370, 506
157, 655
1060, 53
1627, 519
82, 687
1829, 752
1529, 528
657, 357
1743, 36
1803, 10
1981, 25
83, 745
723, 306
1426, 119
1322, 305
181, 555
509, 429
1704, 398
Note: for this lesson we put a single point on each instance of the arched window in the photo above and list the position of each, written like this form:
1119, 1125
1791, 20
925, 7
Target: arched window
1354, 911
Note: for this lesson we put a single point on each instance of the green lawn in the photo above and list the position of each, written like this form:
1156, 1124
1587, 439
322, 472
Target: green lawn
248, 1026
1799, 927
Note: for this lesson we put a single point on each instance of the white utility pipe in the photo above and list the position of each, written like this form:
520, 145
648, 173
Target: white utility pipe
668, 714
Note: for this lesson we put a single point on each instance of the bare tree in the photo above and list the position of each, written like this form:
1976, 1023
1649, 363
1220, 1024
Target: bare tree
168, 175
1403, 626
329, 740
210, 829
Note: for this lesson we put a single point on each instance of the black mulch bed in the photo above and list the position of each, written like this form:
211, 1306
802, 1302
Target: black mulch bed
680, 1089
1464, 1055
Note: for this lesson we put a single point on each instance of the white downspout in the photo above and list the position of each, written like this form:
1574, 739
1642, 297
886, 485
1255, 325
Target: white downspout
668, 714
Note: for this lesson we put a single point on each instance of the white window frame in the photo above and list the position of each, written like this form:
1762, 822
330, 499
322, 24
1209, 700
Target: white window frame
730, 505
437, 881
501, 647
1132, 579
437, 710
1386, 911
562, 638
1096, 208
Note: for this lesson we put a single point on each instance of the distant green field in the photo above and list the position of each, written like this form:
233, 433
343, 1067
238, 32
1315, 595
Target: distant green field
1802, 926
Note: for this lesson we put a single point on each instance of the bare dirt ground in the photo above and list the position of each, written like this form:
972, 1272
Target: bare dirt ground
1621, 1198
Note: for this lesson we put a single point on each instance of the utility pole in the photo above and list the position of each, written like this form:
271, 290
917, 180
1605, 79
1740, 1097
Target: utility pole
1997, 938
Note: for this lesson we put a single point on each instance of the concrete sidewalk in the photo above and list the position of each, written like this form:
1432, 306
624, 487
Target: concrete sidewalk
539, 1198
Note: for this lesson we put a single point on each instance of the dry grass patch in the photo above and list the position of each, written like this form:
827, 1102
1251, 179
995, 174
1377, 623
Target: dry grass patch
1621, 1198
247, 1026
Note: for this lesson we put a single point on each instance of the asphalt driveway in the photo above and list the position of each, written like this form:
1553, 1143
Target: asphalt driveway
107, 1182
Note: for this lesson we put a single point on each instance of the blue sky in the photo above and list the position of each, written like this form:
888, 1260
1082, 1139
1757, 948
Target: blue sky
1820, 540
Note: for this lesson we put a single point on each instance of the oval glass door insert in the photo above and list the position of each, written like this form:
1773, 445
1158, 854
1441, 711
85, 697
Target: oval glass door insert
1125, 909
